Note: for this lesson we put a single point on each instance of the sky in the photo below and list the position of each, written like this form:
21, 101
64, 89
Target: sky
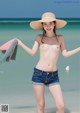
35, 8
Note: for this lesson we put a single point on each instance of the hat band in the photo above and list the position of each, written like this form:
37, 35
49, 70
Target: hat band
46, 19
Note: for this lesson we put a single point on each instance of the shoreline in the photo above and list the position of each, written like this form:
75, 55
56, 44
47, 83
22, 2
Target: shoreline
49, 110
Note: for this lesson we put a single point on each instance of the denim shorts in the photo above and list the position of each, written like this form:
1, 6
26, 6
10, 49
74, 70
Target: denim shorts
45, 78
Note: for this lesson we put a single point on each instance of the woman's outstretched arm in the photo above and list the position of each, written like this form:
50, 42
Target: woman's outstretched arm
27, 49
66, 53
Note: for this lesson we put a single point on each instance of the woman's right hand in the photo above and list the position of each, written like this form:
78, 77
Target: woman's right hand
19, 42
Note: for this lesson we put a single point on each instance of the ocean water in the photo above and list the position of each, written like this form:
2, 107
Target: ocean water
15, 76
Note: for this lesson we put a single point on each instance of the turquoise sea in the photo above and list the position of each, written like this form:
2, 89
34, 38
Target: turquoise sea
15, 76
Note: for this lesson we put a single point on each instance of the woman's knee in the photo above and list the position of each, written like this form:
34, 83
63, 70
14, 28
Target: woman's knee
60, 107
41, 106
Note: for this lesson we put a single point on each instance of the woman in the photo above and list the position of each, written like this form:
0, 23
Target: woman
46, 71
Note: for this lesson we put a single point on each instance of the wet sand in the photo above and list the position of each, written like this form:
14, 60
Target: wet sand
72, 104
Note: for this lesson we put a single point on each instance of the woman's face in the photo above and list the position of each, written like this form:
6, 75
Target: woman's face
48, 26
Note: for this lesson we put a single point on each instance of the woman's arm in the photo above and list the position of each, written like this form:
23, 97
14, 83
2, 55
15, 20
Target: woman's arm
66, 53
29, 50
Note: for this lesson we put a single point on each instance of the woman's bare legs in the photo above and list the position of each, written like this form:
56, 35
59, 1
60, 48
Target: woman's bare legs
39, 94
56, 93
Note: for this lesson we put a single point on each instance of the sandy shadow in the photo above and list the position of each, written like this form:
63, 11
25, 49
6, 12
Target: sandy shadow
53, 110
24, 107
47, 110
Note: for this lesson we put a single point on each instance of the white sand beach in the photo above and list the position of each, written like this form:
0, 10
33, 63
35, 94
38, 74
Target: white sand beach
72, 104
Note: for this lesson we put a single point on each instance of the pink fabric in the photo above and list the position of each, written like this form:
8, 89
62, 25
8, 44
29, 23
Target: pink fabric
9, 49
6, 45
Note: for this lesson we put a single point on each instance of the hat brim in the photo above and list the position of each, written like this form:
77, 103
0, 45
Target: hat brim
38, 24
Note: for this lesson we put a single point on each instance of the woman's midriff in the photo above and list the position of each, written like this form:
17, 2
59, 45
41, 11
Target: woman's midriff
46, 65
48, 57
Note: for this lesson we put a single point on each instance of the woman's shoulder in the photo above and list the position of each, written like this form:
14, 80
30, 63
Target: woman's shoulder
39, 36
60, 37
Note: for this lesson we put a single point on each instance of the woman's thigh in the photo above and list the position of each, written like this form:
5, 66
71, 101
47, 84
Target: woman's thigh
39, 93
56, 93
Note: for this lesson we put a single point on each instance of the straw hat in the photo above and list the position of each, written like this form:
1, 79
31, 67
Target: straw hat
47, 17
